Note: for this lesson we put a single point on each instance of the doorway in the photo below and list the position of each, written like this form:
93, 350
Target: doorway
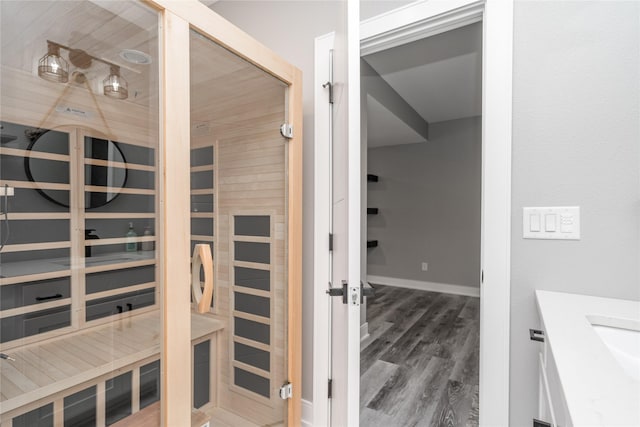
421, 235
404, 25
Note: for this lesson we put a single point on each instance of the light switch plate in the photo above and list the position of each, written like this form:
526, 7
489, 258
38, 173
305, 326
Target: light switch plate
551, 223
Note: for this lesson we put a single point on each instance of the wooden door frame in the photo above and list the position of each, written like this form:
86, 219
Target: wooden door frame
177, 18
410, 23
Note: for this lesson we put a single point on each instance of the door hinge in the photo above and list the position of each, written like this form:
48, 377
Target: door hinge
536, 335
482, 276
329, 388
286, 391
330, 86
286, 130
330, 242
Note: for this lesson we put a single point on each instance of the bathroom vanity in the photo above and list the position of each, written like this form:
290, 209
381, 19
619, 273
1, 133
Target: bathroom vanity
589, 361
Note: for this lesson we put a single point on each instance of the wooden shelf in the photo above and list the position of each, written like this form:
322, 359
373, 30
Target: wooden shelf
17, 152
119, 240
115, 190
128, 165
45, 267
38, 215
119, 215
36, 185
44, 246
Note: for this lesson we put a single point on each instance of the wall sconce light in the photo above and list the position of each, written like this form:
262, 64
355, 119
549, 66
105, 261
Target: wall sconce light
115, 86
54, 68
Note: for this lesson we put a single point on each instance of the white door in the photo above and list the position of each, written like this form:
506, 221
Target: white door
336, 329
345, 312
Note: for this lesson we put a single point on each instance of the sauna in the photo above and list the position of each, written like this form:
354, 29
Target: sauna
150, 219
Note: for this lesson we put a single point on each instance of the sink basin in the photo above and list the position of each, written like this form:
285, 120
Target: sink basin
622, 338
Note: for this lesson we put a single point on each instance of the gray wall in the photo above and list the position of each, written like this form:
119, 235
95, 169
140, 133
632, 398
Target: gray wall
576, 133
428, 197
370, 8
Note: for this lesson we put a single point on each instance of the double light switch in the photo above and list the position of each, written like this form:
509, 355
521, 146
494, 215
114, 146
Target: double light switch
562, 223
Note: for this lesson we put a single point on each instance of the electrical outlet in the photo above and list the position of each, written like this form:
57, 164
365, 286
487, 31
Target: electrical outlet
425, 266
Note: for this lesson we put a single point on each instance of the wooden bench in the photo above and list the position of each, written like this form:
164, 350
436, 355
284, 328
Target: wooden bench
48, 371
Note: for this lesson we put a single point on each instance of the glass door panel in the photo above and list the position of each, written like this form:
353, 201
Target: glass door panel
79, 276
239, 208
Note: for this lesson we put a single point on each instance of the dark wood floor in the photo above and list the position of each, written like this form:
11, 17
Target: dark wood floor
419, 366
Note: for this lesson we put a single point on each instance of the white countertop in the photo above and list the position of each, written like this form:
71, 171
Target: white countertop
597, 390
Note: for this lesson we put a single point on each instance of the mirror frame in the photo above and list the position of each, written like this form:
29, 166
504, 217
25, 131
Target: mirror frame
27, 169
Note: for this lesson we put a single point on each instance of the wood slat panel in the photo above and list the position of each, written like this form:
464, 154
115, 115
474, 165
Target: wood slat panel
251, 291
119, 266
203, 238
254, 265
35, 307
252, 369
35, 185
34, 277
133, 288
116, 190
36, 246
202, 168
6, 151
112, 164
252, 317
256, 344
118, 240
27, 216
202, 215
118, 215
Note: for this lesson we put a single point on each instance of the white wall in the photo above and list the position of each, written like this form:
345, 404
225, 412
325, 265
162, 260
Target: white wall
576, 141
428, 197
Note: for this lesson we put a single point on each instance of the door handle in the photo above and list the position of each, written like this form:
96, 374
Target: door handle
366, 290
202, 258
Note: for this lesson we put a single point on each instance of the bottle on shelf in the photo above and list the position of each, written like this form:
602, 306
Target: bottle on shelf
88, 235
147, 246
131, 245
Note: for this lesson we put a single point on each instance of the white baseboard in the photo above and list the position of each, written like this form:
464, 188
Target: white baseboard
425, 286
364, 331
307, 414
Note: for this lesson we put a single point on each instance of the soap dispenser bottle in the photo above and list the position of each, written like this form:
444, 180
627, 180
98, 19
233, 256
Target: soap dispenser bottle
147, 245
131, 245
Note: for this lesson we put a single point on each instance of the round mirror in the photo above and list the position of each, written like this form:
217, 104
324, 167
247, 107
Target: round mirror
103, 174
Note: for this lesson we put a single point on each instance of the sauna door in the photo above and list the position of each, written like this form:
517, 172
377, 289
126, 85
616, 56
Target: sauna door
240, 208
